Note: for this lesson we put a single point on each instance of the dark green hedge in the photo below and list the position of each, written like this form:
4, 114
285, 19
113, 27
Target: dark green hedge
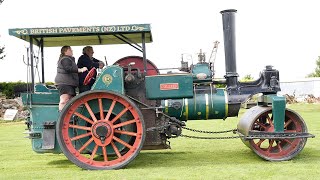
13, 89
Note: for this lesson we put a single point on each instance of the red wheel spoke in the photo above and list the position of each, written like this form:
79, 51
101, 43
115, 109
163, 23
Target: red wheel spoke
94, 152
104, 151
86, 144
270, 120
80, 136
260, 123
260, 141
90, 112
100, 108
287, 123
83, 117
119, 115
279, 146
126, 132
122, 142
124, 123
115, 149
110, 110
80, 127
286, 140
270, 145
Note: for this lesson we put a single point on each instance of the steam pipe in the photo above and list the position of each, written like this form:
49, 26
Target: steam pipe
228, 20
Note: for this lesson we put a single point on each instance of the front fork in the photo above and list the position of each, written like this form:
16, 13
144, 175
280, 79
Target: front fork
278, 109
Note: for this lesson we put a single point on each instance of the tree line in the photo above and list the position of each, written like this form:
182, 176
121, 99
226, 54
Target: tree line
316, 72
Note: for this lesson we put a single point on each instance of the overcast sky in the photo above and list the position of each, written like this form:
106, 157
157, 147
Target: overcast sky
285, 34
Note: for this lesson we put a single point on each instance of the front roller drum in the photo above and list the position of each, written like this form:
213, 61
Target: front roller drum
260, 119
100, 130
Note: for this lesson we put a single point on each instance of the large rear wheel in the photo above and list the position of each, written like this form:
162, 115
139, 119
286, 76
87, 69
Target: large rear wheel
261, 119
101, 130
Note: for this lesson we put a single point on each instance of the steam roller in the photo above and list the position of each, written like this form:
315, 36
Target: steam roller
132, 107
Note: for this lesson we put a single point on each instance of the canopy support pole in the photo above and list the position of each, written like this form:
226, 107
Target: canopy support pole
144, 54
42, 60
31, 59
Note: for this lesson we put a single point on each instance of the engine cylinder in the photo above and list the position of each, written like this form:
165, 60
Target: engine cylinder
207, 103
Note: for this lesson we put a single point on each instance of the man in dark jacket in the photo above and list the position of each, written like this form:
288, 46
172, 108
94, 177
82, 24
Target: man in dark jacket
87, 60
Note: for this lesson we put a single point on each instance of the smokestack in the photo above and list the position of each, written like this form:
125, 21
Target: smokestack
228, 20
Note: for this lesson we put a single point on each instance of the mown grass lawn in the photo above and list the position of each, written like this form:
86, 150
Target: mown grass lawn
188, 158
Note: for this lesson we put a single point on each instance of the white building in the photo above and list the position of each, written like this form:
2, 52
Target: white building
301, 87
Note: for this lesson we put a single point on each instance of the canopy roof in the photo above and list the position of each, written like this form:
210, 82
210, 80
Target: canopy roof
84, 35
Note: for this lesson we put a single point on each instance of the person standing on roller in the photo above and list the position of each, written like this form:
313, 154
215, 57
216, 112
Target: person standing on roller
67, 79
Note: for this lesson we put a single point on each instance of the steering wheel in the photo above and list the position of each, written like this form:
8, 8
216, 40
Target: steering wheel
89, 76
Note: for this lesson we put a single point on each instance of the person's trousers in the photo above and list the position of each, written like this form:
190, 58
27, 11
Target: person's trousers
84, 88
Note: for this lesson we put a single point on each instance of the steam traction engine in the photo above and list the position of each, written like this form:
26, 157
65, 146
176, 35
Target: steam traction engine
132, 107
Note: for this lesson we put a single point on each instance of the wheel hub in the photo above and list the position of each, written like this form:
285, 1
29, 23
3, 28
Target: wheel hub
101, 130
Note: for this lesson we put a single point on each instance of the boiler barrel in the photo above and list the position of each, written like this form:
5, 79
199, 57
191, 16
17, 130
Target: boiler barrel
207, 103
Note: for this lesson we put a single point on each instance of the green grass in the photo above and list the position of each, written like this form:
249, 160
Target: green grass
188, 158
